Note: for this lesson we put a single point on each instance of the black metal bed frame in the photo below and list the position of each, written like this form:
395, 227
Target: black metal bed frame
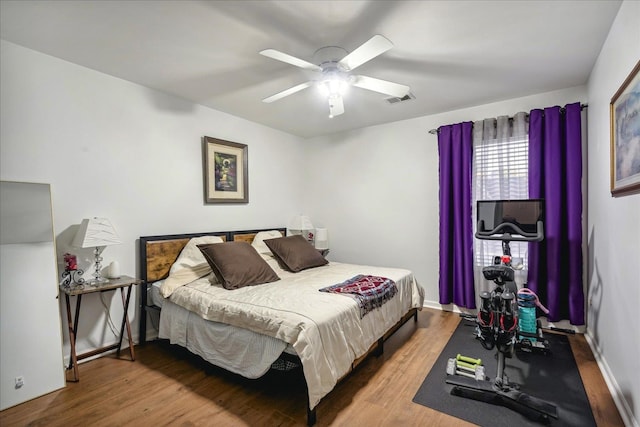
377, 349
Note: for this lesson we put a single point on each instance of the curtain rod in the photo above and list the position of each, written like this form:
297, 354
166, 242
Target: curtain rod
582, 107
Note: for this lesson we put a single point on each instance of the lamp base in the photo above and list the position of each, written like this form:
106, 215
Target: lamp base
98, 281
97, 274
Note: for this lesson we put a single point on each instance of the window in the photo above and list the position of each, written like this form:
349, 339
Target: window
500, 163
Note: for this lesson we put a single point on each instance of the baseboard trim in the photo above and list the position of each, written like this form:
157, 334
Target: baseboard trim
612, 384
447, 307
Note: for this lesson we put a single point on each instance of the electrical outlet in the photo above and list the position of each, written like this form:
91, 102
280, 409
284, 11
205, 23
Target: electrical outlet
19, 381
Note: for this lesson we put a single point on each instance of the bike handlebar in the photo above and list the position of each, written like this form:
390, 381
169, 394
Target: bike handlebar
503, 229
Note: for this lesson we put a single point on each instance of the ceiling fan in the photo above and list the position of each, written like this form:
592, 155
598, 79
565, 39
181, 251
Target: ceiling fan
335, 65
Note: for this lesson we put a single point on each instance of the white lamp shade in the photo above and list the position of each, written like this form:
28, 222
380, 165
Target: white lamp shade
95, 232
300, 222
322, 238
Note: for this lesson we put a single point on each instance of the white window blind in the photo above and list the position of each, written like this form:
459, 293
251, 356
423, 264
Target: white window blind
500, 173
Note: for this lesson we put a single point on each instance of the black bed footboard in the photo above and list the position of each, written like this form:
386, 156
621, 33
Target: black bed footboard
377, 350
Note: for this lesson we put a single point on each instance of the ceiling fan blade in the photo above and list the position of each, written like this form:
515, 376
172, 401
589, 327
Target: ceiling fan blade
381, 86
336, 106
284, 57
287, 92
373, 47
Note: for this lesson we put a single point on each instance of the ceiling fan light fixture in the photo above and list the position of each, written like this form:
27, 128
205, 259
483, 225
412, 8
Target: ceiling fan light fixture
333, 87
336, 86
333, 84
336, 73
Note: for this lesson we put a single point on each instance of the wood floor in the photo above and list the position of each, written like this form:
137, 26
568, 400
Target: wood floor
168, 386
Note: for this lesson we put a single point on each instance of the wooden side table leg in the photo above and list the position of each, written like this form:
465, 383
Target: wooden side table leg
73, 327
125, 322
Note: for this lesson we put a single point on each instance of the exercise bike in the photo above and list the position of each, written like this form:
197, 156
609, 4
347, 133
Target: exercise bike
497, 327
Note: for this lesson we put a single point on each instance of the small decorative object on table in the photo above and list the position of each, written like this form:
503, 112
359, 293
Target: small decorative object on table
71, 274
114, 270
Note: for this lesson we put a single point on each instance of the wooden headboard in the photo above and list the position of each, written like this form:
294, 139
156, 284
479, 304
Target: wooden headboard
158, 253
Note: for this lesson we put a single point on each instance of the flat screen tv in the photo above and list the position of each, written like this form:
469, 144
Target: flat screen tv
524, 213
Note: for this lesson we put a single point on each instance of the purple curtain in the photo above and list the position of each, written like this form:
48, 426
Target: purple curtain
455, 146
555, 173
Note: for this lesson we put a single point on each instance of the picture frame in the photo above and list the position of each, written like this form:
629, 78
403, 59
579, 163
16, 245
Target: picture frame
226, 171
625, 136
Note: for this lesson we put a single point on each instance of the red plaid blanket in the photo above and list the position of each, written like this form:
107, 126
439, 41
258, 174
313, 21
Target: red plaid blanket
369, 291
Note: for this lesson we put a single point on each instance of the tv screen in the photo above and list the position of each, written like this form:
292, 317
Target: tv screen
524, 213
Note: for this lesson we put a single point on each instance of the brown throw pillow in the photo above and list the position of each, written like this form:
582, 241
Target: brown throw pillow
237, 264
295, 253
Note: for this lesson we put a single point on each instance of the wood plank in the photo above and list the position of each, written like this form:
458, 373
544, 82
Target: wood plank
161, 256
167, 385
248, 238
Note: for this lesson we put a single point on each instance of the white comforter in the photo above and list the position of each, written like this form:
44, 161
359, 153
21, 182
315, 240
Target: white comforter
324, 329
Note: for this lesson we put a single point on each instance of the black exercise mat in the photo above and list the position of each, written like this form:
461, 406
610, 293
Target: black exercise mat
553, 378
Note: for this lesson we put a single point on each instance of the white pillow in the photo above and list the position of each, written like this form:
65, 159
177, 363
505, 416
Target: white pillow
189, 266
258, 241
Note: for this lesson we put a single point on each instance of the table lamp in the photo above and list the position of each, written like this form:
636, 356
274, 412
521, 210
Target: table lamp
322, 238
301, 224
96, 233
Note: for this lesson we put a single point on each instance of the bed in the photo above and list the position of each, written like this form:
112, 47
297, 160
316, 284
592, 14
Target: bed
285, 322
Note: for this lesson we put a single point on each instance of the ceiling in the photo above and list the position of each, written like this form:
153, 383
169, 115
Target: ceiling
453, 54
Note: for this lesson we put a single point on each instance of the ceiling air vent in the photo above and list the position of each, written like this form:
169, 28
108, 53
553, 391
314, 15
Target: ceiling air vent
395, 99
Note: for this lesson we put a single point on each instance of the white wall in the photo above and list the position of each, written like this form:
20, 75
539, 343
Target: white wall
614, 226
376, 189
112, 148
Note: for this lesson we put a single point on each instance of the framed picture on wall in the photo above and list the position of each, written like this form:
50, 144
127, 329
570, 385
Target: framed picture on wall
625, 136
225, 171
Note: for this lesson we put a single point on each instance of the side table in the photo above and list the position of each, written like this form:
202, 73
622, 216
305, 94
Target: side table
122, 283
